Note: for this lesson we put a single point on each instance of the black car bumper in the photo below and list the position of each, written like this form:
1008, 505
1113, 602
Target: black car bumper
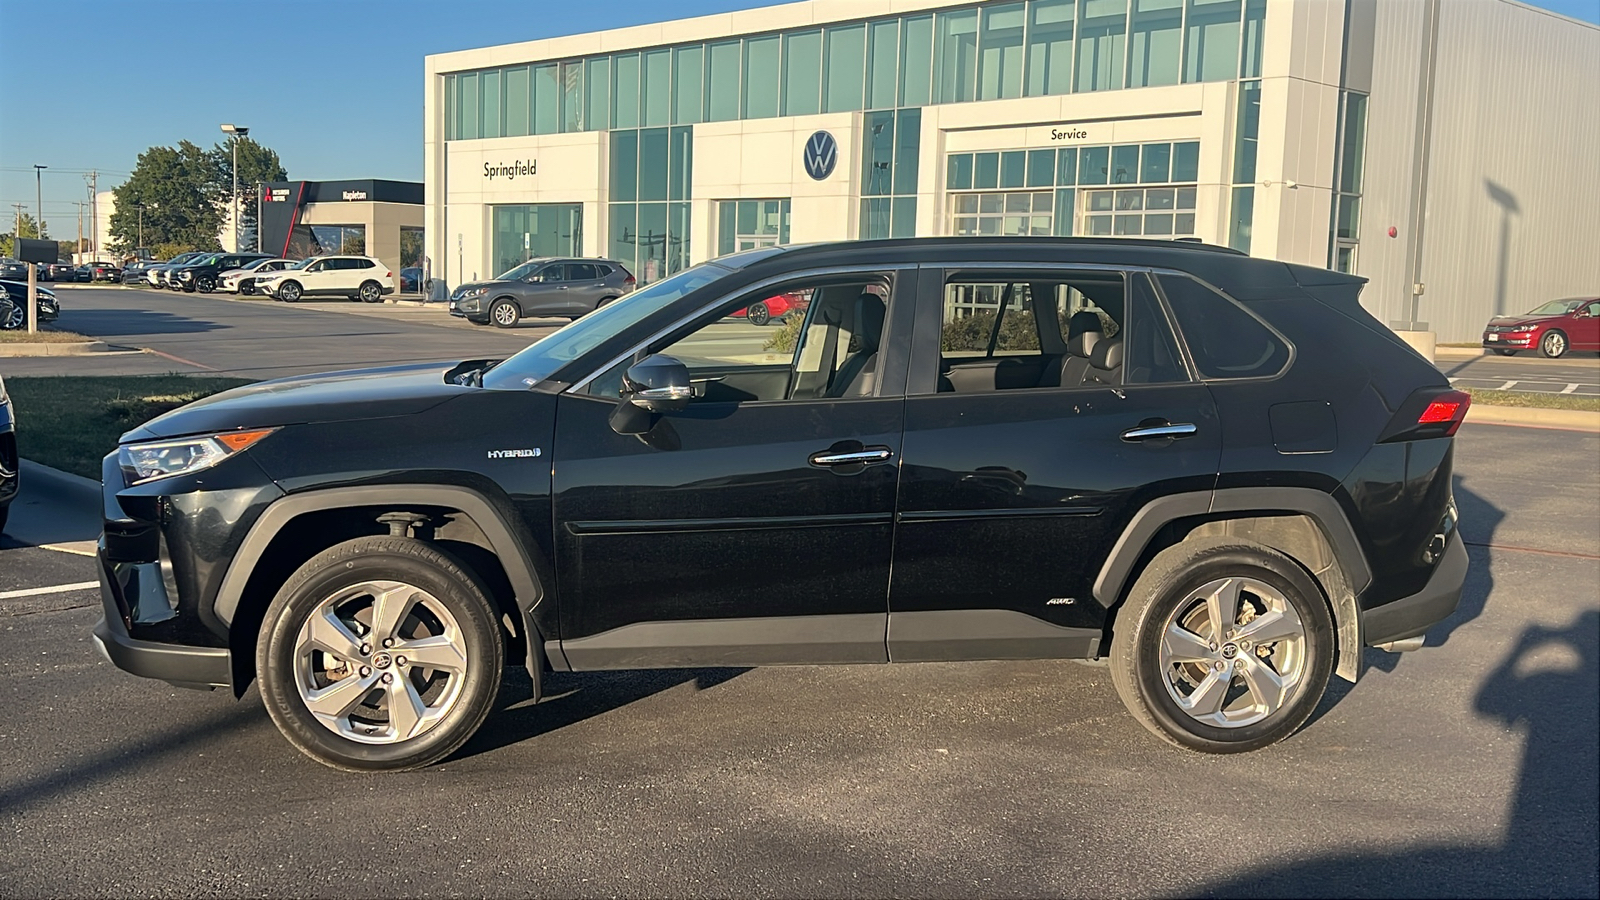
177, 663
1411, 616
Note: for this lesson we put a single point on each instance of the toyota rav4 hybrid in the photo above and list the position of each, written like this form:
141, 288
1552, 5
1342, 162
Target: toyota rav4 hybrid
1217, 472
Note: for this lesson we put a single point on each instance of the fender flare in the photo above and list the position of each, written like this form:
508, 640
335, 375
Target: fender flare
520, 568
1321, 508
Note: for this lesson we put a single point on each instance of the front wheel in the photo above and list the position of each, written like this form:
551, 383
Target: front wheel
371, 292
504, 314
758, 314
206, 285
289, 292
1223, 646
379, 654
1554, 345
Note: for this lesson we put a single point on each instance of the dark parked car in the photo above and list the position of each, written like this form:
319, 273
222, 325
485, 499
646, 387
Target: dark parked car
105, 271
1220, 472
1554, 328
201, 275
60, 271
410, 280
17, 316
13, 270
137, 272
156, 275
9, 465
542, 287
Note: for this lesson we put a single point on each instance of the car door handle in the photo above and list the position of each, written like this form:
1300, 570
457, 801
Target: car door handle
1155, 431
851, 458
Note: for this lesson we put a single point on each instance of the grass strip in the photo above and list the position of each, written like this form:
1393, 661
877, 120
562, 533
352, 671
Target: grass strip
21, 336
1530, 400
70, 422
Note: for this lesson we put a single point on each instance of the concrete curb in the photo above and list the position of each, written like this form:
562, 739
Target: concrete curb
1563, 419
1459, 352
77, 348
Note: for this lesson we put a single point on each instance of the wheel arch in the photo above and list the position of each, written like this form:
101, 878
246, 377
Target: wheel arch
296, 527
1307, 525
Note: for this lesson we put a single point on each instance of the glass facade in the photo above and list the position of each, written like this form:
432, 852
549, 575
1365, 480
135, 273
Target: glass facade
527, 232
1038, 192
1247, 130
965, 53
1347, 171
891, 148
648, 219
749, 224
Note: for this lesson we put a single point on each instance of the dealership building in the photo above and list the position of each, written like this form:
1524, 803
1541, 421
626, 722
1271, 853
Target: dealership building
1439, 148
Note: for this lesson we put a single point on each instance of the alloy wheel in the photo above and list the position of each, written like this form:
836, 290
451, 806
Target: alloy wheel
1554, 344
17, 318
1233, 652
380, 662
505, 315
371, 293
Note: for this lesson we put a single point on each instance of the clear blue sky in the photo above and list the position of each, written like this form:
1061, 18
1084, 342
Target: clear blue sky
335, 86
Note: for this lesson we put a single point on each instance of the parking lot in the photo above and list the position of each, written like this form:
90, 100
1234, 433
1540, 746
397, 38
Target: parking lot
1465, 768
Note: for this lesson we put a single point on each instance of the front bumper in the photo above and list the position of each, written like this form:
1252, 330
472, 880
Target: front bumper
1507, 341
177, 663
1411, 616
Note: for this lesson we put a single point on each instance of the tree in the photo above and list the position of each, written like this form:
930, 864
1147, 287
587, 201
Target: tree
24, 223
185, 192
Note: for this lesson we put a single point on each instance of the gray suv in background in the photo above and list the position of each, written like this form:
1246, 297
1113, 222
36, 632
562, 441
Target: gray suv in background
542, 287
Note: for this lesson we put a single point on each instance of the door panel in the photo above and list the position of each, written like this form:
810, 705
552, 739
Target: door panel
715, 515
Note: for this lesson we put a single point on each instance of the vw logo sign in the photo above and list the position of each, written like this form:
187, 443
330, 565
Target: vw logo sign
821, 155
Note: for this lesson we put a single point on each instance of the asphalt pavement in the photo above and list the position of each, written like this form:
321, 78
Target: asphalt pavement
1575, 373
1465, 769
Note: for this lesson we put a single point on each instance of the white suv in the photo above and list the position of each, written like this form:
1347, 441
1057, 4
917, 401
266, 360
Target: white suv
356, 277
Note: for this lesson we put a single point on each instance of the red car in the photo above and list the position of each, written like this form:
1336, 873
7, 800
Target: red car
1554, 328
775, 308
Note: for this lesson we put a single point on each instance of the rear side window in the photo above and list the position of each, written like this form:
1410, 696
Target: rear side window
359, 264
1226, 341
580, 272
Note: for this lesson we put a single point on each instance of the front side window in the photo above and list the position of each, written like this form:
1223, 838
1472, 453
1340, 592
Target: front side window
816, 339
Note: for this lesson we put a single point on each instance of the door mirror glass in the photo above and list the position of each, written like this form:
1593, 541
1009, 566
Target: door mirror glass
658, 383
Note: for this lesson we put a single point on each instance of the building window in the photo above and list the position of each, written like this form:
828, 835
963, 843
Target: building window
1241, 218
748, 224
532, 231
1347, 173
1159, 200
648, 218
973, 52
344, 240
411, 244
890, 157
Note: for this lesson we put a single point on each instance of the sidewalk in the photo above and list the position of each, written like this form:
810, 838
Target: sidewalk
56, 510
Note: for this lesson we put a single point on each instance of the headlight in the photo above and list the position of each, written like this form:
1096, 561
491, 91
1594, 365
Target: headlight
473, 292
185, 275
162, 459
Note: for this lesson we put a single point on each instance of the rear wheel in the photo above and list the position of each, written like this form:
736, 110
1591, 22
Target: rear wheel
504, 314
1554, 344
289, 292
371, 292
758, 314
1223, 646
379, 654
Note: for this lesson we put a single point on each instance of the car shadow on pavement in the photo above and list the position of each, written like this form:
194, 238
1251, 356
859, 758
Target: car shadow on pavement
110, 323
1547, 686
570, 698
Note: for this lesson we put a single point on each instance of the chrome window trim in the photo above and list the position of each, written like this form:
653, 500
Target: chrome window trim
728, 296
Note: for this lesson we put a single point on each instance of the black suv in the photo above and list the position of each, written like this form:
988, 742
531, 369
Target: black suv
201, 275
567, 288
1218, 472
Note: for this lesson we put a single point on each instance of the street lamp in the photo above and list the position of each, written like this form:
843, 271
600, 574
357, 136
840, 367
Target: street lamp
236, 131
141, 228
38, 203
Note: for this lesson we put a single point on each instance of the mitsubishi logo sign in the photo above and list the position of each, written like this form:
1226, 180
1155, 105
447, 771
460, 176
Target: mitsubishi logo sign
821, 155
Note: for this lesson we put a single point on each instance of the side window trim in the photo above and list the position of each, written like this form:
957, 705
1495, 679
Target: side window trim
1183, 340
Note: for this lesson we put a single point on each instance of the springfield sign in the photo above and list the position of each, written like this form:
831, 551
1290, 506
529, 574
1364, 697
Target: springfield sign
512, 170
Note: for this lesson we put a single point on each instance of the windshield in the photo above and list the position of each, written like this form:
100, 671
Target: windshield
520, 272
256, 264
304, 262
1556, 308
542, 358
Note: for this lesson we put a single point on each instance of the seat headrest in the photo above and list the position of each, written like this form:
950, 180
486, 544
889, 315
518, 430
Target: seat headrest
1107, 355
870, 314
1083, 332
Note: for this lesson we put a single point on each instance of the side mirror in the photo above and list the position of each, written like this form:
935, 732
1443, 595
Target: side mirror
658, 384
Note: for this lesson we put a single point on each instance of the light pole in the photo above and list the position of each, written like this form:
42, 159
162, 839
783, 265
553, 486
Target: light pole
141, 228
236, 131
38, 203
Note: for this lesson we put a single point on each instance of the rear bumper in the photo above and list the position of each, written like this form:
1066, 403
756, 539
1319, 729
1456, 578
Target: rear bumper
1413, 615
177, 663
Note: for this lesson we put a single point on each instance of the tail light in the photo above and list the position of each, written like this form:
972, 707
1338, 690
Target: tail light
628, 281
1428, 413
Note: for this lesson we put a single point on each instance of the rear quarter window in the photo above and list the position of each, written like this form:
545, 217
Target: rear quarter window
1224, 339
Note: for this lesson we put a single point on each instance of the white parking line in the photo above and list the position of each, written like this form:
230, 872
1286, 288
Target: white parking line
1506, 387
53, 589
1569, 389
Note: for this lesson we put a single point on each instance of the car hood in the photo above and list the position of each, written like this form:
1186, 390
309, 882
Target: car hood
1503, 321
326, 397
491, 283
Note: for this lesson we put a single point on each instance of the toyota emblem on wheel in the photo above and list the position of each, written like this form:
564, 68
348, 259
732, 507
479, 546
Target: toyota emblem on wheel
821, 155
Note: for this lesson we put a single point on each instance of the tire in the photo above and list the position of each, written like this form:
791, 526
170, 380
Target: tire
371, 292
5, 513
758, 314
1554, 344
481, 323
1505, 352
504, 314
17, 318
205, 284
289, 292
188, 287
1231, 716
355, 728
